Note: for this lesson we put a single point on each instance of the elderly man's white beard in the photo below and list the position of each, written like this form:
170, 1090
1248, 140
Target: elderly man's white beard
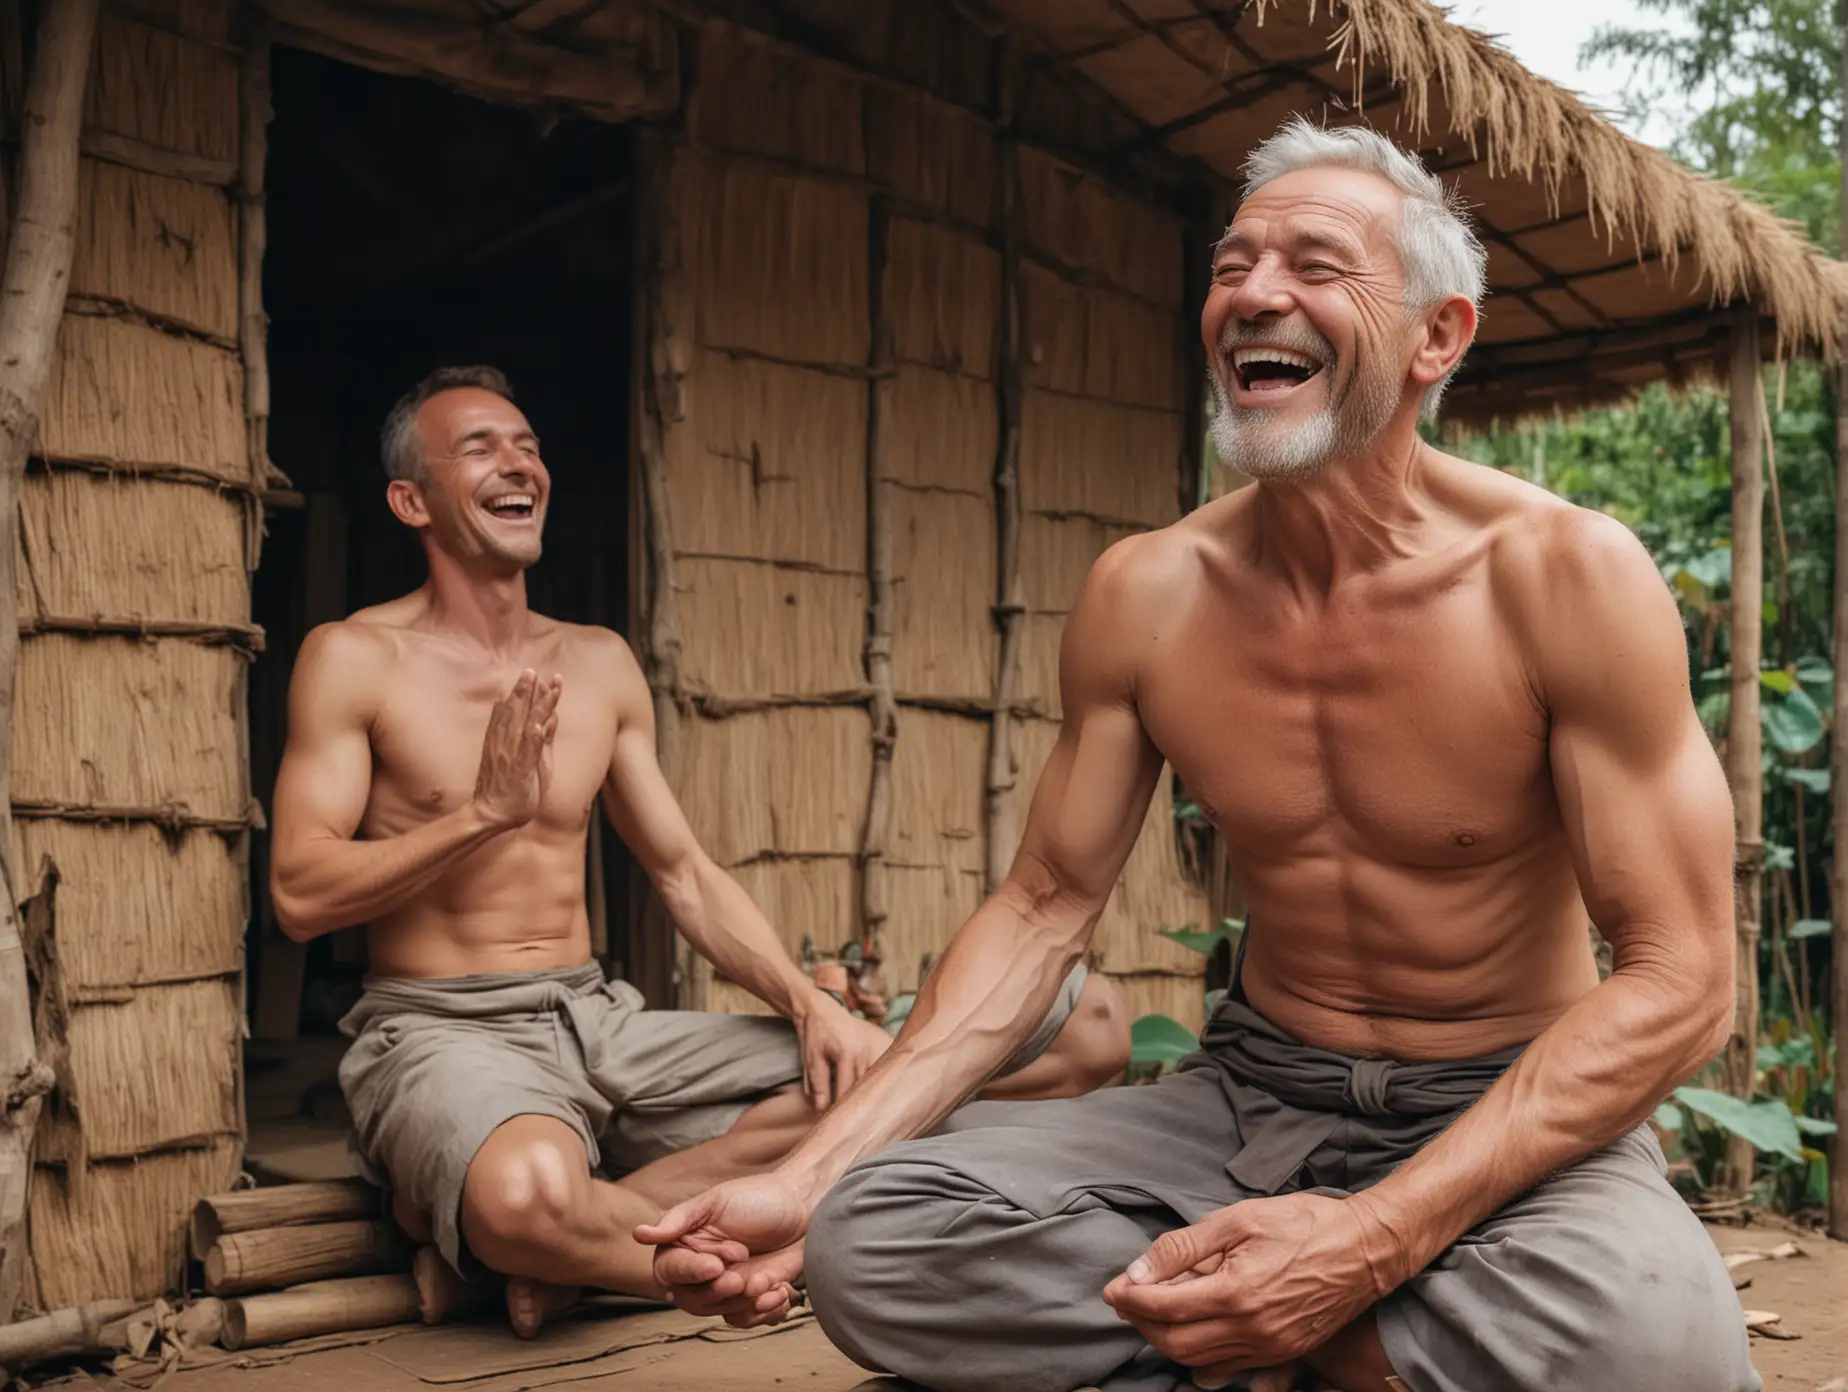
1257, 444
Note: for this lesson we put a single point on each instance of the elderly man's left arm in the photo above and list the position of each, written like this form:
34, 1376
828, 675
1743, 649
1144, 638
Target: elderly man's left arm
1647, 812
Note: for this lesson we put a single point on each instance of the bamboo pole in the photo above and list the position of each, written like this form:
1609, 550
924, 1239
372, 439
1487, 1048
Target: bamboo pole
875, 905
266, 1258
280, 1206
32, 292
659, 372
1744, 741
1002, 775
1838, 764
61, 1333
320, 1307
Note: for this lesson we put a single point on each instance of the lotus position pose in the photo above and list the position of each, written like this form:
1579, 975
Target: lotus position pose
1441, 719
446, 754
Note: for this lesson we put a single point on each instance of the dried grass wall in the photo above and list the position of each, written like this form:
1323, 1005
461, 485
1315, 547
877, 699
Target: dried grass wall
129, 767
830, 385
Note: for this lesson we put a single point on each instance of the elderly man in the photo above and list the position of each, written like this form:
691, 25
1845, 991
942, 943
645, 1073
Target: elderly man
1440, 718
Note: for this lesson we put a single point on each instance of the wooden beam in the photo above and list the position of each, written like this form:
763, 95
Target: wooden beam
1744, 740
39, 250
1838, 769
875, 896
658, 374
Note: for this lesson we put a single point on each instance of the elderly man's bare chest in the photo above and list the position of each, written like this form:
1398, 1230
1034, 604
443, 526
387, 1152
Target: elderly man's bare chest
1409, 732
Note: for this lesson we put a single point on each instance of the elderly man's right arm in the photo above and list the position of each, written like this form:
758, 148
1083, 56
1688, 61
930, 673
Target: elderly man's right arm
995, 980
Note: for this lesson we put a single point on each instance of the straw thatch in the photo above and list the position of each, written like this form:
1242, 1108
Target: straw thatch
136, 905
103, 546
758, 630
778, 263
164, 246
783, 782
1102, 344
942, 289
810, 896
124, 1231
945, 589
756, 100
769, 464
1144, 451
932, 156
169, 92
1098, 233
153, 1069
187, 396
105, 722
939, 431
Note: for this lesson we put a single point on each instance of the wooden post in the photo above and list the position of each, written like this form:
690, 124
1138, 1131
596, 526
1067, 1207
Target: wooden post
32, 291
875, 904
1838, 768
998, 795
658, 369
1744, 742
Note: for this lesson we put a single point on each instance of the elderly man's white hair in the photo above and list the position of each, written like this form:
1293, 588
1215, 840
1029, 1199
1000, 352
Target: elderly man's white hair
1439, 250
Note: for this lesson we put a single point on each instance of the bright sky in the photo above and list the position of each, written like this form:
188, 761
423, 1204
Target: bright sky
1546, 36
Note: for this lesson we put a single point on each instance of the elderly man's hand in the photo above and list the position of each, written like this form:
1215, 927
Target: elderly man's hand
735, 1250
1255, 1285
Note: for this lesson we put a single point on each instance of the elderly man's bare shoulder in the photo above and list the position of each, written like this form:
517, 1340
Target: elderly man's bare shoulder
1154, 567
1566, 574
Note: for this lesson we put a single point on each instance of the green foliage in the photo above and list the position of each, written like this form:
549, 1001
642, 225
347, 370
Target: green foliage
1204, 943
1755, 86
1160, 1039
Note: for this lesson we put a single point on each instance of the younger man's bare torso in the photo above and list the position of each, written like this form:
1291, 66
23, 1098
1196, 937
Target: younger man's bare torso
516, 903
1375, 753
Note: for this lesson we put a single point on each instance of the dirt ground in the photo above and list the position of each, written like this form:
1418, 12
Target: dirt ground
1809, 1291
665, 1351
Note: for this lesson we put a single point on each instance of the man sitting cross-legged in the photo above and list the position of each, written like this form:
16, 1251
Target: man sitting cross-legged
446, 754
1442, 719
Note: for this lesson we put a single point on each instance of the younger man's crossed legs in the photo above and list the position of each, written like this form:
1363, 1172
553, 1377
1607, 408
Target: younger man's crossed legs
488, 1107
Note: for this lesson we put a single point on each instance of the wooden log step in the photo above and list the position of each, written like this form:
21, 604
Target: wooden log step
270, 1258
280, 1206
321, 1307
60, 1334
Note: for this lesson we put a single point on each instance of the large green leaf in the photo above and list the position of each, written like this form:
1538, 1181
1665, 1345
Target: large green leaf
1810, 780
1793, 724
1814, 1126
1781, 682
1668, 1117
1160, 1039
1203, 943
1767, 1124
1812, 928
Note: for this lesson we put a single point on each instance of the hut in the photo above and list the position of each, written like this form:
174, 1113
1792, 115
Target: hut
856, 330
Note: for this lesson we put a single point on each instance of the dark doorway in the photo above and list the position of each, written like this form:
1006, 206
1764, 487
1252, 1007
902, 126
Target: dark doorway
411, 228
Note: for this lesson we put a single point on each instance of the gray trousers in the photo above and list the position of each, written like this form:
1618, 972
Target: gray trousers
973, 1260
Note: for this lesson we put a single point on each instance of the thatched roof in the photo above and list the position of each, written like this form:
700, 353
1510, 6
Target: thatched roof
1610, 264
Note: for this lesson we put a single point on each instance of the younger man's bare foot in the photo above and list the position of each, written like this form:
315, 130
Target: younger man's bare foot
442, 1295
531, 1304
